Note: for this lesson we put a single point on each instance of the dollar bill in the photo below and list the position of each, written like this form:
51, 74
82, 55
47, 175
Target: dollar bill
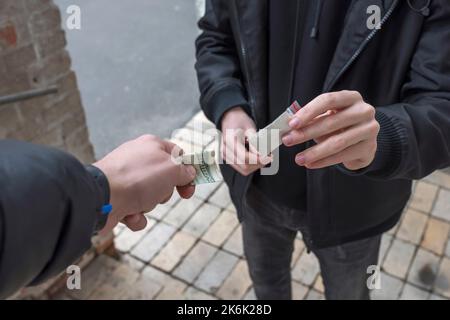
266, 140
205, 164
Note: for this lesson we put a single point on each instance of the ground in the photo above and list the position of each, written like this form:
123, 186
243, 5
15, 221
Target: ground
135, 66
192, 249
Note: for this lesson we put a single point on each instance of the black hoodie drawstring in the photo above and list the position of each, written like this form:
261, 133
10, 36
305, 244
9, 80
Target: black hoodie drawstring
315, 28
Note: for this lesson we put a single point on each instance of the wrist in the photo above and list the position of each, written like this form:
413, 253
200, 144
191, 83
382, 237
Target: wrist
104, 206
232, 114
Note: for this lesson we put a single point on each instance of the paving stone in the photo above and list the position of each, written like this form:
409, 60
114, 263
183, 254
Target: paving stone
172, 290
424, 269
132, 262
447, 251
221, 197
231, 208
93, 276
234, 243
299, 246
195, 137
149, 246
424, 196
204, 191
143, 289
200, 123
436, 297
314, 295
118, 229
318, 284
155, 274
215, 272
442, 206
412, 226
413, 293
174, 251
442, 285
128, 239
192, 293
398, 258
439, 178
182, 212
394, 229
195, 261
173, 200
236, 284
386, 241
299, 291
201, 220
116, 285
159, 212
436, 236
221, 229
390, 288
250, 295
306, 269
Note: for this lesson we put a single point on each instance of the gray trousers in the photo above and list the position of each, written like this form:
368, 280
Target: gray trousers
269, 233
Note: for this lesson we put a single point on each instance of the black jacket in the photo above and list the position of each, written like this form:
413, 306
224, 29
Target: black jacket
403, 69
49, 207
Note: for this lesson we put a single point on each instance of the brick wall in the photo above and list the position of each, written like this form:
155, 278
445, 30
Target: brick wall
32, 56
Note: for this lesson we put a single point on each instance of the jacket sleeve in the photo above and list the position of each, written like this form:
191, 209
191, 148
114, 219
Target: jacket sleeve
414, 138
48, 204
218, 67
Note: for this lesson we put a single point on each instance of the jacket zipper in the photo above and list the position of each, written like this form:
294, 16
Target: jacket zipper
294, 56
362, 46
245, 63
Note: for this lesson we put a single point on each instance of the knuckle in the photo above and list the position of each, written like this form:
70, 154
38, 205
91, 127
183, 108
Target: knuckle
374, 128
338, 143
369, 111
356, 95
147, 137
330, 98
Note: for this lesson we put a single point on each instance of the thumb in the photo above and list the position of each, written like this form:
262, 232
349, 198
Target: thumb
186, 175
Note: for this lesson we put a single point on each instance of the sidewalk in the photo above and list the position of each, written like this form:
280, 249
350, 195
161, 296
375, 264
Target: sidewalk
191, 249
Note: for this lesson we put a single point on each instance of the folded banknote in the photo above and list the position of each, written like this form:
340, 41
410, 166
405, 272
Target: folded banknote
205, 163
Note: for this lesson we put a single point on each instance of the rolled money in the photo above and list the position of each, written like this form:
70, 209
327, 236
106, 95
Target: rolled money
206, 166
264, 141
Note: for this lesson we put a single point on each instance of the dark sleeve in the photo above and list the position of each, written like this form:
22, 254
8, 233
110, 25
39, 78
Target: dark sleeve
48, 213
218, 67
414, 138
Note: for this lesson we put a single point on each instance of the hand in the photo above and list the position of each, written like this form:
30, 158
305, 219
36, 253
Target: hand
344, 127
142, 174
237, 126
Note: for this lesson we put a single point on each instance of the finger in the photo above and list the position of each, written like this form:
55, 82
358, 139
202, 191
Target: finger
186, 192
334, 144
167, 198
350, 154
186, 175
322, 104
135, 222
324, 125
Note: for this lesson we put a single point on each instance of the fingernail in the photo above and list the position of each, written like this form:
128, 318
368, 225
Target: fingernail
287, 140
192, 171
300, 159
294, 123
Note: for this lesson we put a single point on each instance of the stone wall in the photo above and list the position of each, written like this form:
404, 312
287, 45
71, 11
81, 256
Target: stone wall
33, 56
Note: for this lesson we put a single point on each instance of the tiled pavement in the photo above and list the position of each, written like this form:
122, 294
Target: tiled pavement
191, 249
